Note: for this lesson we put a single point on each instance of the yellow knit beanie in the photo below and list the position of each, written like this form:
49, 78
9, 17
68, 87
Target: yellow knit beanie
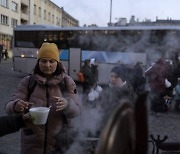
49, 50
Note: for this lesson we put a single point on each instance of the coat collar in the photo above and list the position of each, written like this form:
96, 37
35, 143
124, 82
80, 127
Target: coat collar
51, 81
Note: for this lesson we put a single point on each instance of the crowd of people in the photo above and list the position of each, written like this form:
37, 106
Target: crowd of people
55, 89
159, 81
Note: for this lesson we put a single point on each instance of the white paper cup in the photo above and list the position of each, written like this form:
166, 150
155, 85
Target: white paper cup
39, 115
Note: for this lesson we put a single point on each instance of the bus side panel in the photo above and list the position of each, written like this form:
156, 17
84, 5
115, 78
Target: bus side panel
74, 62
26, 52
24, 65
104, 70
66, 64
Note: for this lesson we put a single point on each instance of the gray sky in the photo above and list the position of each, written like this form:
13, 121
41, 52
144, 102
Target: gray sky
98, 11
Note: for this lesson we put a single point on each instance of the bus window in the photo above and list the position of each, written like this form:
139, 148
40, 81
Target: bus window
27, 39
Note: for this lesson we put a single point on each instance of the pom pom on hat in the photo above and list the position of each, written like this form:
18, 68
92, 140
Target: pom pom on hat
121, 72
49, 50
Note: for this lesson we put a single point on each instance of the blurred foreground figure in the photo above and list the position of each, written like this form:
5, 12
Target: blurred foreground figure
13, 123
126, 129
54, 89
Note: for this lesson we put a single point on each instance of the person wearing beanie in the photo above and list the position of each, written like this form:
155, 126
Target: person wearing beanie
49, 50
119, 89
53, 88
118, 76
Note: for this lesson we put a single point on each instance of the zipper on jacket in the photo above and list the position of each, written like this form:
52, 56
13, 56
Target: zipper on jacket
46, 125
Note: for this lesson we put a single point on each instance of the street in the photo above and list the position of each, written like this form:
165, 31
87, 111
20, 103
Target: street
9, 144
158, 124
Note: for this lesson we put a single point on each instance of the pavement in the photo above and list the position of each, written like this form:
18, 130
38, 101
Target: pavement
9, 144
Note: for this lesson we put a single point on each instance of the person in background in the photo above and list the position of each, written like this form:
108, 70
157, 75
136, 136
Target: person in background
89, 81
139, 80
119, 89
49, 73
6, 54
156, 76
94, 69
1, 52
177, 96
13, 123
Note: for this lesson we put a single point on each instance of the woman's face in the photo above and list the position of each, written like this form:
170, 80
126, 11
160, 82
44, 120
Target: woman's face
47, 65
115, 80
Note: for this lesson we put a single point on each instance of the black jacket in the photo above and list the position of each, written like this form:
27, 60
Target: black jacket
10, 124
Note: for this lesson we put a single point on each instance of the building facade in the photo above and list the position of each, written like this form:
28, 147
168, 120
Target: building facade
23, 12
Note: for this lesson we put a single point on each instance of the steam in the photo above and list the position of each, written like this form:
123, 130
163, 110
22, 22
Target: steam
153, 44
86, 126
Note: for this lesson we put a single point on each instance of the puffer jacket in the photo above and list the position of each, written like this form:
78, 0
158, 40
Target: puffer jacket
32, 137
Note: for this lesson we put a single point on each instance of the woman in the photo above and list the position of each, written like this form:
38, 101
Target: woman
48, 73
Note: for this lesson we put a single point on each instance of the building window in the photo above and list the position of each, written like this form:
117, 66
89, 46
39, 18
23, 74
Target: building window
53, 18
45, 14
4, 19
39, 11
49, 16
4, 3
14, 6
14, 22
34, 9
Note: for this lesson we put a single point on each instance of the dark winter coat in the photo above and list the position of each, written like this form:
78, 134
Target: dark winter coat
32, 137
94, 69
89, 80
157, 74
88, 75
10, 124
111, 97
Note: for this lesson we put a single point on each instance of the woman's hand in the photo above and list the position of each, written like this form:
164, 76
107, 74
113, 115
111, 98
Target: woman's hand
61, 103
21, 106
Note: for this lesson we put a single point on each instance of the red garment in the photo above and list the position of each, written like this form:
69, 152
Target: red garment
157, 74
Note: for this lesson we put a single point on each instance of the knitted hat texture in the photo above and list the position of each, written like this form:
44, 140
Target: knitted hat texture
121, 71
49, 50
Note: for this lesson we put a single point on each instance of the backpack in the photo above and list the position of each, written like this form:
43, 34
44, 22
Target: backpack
32, 84
80, 77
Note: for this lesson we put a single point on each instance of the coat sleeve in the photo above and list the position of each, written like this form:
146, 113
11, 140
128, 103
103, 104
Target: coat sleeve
20, 93
10, 124
74, 105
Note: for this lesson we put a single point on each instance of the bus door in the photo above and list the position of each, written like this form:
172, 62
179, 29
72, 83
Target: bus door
74, 62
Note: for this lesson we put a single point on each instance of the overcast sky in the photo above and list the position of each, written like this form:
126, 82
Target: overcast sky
98, 11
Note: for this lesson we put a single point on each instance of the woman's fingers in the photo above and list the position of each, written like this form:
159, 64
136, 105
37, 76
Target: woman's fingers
21, 106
